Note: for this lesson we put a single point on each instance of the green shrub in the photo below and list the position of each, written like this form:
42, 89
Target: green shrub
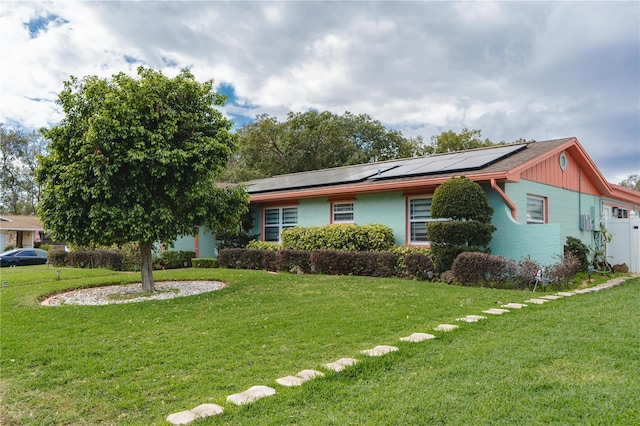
263, 245
579, 250
419, 266
372, 237
130, 256
464, 204
203, 262
174, 259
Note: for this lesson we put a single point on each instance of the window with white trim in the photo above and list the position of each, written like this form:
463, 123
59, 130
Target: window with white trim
620, 212
419, 215
277, 219
536, 209
342, 213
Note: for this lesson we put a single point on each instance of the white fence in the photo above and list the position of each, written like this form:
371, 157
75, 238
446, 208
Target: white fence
625, 243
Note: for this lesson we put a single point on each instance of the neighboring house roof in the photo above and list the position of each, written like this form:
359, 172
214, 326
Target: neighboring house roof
497, 164
20, 223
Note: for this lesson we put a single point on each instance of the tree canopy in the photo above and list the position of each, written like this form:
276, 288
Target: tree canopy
20, 190
632, 182
135, 160
315, 140
451, 141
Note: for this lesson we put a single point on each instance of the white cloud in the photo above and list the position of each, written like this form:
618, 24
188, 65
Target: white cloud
528, 69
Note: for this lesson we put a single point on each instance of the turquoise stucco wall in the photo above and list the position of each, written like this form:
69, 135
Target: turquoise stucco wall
387, 208
542, 243
207, 245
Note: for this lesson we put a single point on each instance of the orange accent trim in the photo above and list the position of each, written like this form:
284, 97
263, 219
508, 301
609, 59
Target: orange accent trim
506, 199
196, 244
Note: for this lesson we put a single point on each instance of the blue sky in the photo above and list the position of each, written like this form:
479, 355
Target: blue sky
533, 70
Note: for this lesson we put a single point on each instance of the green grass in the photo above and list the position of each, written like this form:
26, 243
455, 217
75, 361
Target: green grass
572, 361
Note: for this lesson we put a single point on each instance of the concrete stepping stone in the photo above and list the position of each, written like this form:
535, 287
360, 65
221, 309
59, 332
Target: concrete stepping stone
341, 364
309, 374
446, 327
514, 305
417, 337
379, 350
290, 381
300, 378
566, 293
200, 412
471, 318
537, 301
551, 297
251, 394
496, 311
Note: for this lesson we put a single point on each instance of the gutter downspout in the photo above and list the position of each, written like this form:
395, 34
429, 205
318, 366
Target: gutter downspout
506, 199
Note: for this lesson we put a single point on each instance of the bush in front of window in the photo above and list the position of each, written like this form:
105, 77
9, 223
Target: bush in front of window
343, 237
463, 203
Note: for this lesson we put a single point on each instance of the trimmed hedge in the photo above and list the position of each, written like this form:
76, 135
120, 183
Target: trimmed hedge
331, 262
203, 262
174, 260
369, 264
100, 258
57, 257
372, 237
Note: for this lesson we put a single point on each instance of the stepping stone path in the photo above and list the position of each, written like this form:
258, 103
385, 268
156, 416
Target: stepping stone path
341, 364
300, 378
496, 311
514, 306
257, 392
551, 297
471, 318
379, 350
200, 412
251, 394
418, 337
537, 301
446, 327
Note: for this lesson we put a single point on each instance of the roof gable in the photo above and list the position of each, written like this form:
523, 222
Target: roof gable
20, 223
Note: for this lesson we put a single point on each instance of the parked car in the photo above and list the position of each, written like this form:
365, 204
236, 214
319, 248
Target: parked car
23, 256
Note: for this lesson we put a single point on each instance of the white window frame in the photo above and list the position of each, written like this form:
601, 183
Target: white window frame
337, 215
543, 204
416, 220
282, 222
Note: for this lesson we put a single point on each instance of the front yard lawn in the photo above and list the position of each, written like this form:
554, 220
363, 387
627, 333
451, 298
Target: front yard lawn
571, 361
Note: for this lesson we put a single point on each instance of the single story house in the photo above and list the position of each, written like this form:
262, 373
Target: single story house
20, 231
541, 193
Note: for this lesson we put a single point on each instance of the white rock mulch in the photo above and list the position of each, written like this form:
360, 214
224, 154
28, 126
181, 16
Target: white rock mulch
164, 290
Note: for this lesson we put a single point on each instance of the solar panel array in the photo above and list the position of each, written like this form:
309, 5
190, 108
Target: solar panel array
442, 163
446, 163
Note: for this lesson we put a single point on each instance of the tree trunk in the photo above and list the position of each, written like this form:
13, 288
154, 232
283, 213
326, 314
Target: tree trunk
146, 267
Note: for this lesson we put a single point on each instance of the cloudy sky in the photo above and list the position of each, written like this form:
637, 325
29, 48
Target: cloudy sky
534, 70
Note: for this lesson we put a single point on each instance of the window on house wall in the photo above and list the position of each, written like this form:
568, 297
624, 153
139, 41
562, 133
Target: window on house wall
536, 207
278, 219
419, 215
619, 212
342, 213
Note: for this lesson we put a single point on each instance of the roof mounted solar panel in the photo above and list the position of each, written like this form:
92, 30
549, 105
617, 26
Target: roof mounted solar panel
453, 162
334, 176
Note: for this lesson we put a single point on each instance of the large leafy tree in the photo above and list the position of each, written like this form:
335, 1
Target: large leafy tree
18, 150
135, 160
315, 140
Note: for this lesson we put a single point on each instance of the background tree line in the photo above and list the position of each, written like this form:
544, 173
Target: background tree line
265, 147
